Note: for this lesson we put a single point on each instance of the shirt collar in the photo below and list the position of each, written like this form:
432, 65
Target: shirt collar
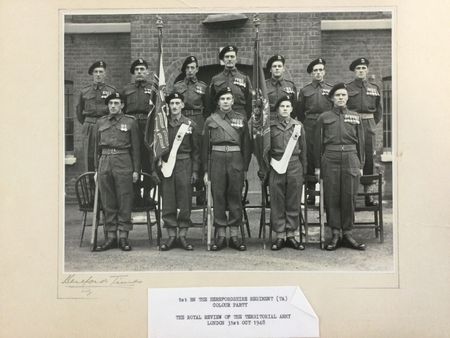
98, 86
227, 71
339, 110
275, 81
115, 117
193, 80
360, 82
316, 83
140, 83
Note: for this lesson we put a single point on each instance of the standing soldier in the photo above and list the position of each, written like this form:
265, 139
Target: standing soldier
288, 163
194, 92
117, 144
179, 170
365, 98
138, 102
277, 86
226, 145
232, 78
339, 146
91, 106
312, 101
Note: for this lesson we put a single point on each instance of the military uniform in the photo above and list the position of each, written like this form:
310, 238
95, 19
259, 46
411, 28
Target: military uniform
276, 88
91, 106
176, 189
339, 147
240, 86
117, 144
286, 189
312, 101
230, 157
365, 98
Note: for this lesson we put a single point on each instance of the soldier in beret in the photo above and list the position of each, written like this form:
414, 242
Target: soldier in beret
278, 86
365, 98
230, 77
288, 164
138, 96
226, 141
194, 92
117, 166
339, 147
90, 106
312, 101
179, 170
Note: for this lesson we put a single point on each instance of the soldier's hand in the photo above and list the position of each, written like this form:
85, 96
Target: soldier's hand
155, 178
261, 175
135, 176
205, 178
194, 178
317, 173
361, 172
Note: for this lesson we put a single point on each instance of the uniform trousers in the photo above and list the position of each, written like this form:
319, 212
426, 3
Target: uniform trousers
115, 178
177, 194
285, 197
87, 132
340, 172
369, 145
227, 181
309, 126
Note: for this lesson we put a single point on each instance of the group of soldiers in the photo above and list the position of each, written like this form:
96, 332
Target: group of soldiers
322, 130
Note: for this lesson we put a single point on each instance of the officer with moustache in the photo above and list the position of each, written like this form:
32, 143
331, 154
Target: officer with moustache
179, 170
339, 147
138, 97
312, 101
117, 166
288, 163
194, 93
277, 86
91, 106
239, 84
365, 98
226, 139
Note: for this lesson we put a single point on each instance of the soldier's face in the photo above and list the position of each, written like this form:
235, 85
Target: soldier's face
361, 72
140, 72
226, 102
115, 106
285, 109
230, 59
176, 106
340, 97
191, 70
99, 74
277, 69
318, 72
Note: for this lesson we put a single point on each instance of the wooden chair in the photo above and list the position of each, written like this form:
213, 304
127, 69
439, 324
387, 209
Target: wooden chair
377, 223
85, 190
315, 210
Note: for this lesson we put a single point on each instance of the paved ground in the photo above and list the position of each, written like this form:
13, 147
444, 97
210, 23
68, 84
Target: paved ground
146, 257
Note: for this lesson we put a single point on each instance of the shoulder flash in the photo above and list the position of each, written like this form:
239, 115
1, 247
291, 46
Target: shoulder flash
130, 116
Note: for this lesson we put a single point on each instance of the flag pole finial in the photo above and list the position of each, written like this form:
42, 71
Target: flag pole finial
159, 22
256, 20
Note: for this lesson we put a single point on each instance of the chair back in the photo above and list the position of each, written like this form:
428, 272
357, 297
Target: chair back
85, 191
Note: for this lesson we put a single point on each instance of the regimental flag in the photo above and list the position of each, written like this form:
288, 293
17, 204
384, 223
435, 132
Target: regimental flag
260, 120
156, 132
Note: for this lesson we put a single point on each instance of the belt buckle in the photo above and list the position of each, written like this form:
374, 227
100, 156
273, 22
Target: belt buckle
226, 148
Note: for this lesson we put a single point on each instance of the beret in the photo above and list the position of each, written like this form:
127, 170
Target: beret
227, 49
226, 90
283, 98
273, 59
188, 60
96, 65
137, 63
115, 95
337, 86
174, 96
357, 62
318, 61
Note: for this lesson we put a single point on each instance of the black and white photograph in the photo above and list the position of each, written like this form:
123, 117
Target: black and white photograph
255, 141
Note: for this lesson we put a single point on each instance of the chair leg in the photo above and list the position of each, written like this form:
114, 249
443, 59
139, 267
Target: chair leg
104, 225
83, 226
381, 223
149, 227
246, 222
203, 225
377, 228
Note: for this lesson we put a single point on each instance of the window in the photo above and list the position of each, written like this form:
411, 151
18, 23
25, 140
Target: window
387, 113
68, 117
